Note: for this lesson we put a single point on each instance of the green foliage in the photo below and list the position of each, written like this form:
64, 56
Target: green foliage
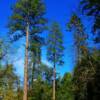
27, 12
75, 25
86, 76
8, 85
55, 50
92, 8
55, 46
40, 91
85, 70
27, 18
42, 88
3, 49
82, 85
41, 85
64, 88
36, 43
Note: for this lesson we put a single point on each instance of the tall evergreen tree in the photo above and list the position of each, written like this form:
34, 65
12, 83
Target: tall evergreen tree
27, 19
80, 37
55, 49
76, 27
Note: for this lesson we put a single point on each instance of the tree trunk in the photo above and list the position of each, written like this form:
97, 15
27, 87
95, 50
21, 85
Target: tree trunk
33, 73
26, 66
54, 76
18, 89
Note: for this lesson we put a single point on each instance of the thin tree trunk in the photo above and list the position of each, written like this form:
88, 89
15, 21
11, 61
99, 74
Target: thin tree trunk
33, 72
54, 81
18, 89
26, 66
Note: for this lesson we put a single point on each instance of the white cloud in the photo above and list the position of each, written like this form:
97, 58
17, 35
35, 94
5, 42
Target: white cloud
19, 65
47, 63
18, 61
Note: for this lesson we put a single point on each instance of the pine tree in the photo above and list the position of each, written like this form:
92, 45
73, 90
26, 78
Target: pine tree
27, 19
75, 25
55, 49
80, 37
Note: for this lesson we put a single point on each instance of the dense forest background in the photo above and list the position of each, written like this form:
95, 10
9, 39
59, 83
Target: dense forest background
43, 38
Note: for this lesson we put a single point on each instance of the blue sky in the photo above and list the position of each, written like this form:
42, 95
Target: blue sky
56, 10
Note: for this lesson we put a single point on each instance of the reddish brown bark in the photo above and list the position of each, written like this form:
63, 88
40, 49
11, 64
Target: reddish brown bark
26, 66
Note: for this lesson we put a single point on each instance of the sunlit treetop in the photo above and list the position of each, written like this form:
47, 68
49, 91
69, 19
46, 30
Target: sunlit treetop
27, 13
